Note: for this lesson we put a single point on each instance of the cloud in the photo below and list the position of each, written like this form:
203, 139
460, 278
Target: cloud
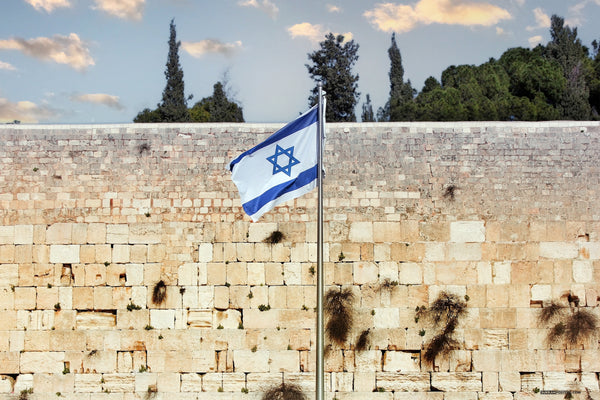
541, 18
198, 49
126, 9
24, 111
68, 50
500, 31
99, 98
266, 6
391, 17
314, 32
534, 40
48, 5
333, 8
6, 66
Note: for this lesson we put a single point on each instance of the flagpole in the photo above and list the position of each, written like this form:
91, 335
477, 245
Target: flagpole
320, 386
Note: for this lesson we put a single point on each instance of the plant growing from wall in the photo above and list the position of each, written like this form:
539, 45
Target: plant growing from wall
159, 293
570, 324
284, 392
274, 237
363, 340
338, 310
444, 315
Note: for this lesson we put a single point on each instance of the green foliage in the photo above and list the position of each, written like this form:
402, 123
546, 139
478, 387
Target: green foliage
367, 111
173, 107
339, 312
332, 66
400, 106
216, 108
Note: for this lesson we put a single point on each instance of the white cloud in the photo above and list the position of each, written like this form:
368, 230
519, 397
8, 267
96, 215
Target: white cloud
24, 111
68, 50
534, 41
541, 18
125, 9
314, 32
391, 17
266, 6
500, 31
333, 8
99, 98
6, 66
48, 5
207, 46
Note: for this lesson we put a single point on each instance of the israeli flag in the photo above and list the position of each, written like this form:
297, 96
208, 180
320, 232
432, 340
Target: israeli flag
281, 168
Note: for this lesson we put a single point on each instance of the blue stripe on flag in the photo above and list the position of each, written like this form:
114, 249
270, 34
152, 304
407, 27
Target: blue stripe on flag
307, 119
252, 206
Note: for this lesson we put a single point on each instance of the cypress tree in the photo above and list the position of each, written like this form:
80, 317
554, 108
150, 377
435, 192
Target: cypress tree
367, 111
173, 107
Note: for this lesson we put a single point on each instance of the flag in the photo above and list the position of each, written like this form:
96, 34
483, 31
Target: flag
281, 168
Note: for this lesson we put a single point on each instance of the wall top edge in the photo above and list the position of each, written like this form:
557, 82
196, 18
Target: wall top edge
330, 125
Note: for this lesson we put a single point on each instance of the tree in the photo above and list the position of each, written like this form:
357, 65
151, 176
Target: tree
400, 106
332, 67
217, 108
566, 49
173, 107
174, 104
367, 111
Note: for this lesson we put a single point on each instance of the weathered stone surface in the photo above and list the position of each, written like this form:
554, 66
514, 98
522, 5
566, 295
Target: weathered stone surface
95, 320
403, 381
456, 381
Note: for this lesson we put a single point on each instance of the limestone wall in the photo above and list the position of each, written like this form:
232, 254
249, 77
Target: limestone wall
503, 215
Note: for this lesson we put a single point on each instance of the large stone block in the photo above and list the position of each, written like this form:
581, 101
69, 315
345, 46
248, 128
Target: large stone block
401, 361
64, 254
457, 381
467, 231
403, 381
42, 362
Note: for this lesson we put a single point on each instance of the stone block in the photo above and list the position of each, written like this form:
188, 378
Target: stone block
582, 271
162, 319
118, 383
361, 232
251, 361
559, 250
205, 252
457, 381
144, 233
7, 234
61, 233
228, 319
410, 274
9, 362
467, 231
509, 381
401, 361
386, 318
42, 362
117, 233
365, 272
120, 253
64, 254
259, 231
95, 320
284, 361
403, 381
23, 234
9, 275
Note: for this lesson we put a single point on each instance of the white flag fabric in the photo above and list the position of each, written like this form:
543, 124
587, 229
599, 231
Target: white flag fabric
281, 168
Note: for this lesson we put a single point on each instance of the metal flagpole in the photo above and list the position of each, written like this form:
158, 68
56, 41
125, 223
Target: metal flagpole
320, 386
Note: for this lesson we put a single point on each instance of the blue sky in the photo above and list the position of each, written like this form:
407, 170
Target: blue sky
102, 61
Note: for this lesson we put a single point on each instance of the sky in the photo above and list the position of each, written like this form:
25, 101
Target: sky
103, 61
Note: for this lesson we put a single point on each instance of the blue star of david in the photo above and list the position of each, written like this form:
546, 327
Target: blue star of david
286, 169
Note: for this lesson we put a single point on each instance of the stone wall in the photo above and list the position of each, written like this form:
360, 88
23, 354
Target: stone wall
95, 219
